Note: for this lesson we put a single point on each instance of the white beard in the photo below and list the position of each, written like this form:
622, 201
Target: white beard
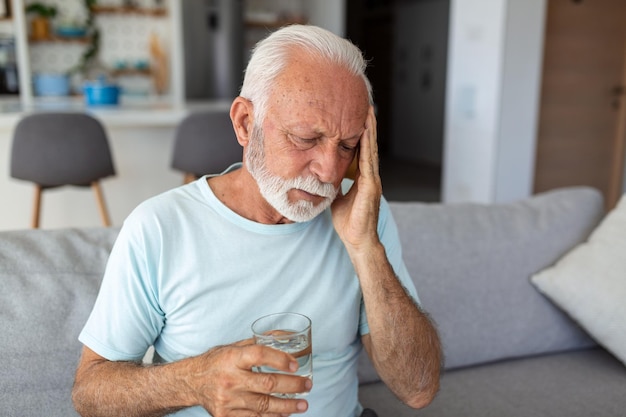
275, 189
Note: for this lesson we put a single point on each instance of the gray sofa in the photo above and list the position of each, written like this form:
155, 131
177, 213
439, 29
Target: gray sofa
509, 351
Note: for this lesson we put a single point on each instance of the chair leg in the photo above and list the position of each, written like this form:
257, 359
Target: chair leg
104, 214
36, 207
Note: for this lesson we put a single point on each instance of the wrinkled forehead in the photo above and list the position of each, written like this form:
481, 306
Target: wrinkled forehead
313, 88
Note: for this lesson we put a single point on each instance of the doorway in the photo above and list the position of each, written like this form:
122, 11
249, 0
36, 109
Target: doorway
405, 42
583, 108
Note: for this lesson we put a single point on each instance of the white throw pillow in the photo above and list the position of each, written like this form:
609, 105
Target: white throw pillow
589, 282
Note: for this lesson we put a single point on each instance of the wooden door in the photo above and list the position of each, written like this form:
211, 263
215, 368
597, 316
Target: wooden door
583, 107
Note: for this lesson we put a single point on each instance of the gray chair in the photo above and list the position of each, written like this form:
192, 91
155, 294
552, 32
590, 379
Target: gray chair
205, 143
54, 149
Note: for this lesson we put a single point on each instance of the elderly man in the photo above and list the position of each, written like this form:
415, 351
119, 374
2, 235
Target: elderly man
192, 268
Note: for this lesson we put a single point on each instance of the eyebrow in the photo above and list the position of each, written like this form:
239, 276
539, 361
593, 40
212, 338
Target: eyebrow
356, 136
292, 130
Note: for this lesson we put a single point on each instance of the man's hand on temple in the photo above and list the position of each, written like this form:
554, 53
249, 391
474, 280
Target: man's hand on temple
355, 214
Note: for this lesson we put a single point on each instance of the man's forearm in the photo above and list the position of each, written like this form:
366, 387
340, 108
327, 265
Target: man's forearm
220, 380
128, 389
403, 343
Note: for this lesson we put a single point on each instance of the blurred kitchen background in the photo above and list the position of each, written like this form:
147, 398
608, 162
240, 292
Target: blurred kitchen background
132, 43
477, 100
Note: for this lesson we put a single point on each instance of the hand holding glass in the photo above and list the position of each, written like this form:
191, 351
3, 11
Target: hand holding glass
288, 332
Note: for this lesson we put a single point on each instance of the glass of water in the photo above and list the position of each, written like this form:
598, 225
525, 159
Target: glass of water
291, 333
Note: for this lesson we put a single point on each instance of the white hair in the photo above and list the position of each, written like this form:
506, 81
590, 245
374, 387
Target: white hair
271, 54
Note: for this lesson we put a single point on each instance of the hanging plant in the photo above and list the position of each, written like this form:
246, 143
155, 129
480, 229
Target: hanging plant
93, 33
42, 10
40, 24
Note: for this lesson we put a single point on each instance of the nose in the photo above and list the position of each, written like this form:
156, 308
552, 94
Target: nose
326, 164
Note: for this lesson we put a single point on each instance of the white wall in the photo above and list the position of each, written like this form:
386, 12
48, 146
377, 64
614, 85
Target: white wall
329, 14
520, 100
475, 50
494, 62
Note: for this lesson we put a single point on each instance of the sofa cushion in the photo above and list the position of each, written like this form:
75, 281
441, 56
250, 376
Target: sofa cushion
471, 264
580, 383
589, 282
49, 282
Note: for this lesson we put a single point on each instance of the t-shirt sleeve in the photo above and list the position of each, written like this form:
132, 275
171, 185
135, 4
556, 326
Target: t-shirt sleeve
126, 318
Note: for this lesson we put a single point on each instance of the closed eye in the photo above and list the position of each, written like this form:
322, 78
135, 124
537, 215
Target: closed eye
304, 142
347, 151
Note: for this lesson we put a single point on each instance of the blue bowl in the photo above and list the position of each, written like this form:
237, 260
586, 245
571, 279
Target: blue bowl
51, 85
71, 32
98, 94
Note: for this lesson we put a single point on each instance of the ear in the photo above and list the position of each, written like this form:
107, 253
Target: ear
242, 117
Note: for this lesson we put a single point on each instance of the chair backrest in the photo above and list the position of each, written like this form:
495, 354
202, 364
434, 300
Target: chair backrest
60, 148
205, 143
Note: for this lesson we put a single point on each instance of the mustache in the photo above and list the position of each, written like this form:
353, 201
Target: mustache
313, 186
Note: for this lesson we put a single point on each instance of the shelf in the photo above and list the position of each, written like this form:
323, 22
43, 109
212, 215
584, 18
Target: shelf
154, 15
274, 24
66, 39
119, 72
157, 12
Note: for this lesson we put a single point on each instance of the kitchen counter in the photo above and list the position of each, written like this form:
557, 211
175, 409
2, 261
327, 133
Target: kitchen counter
130, 112
141, 136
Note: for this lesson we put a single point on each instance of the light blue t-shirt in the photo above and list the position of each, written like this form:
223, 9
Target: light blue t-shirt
187, 273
